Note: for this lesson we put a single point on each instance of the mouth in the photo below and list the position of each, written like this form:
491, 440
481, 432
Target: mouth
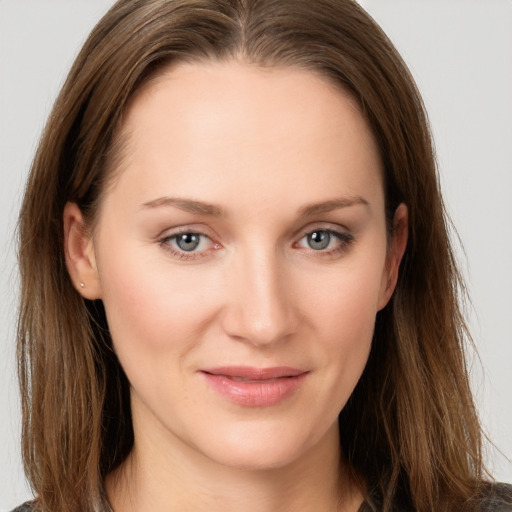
255, 387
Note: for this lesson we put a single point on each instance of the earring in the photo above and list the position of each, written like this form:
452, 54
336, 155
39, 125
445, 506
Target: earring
82, 285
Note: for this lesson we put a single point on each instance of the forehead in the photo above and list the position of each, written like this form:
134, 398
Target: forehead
214, 90
237, 127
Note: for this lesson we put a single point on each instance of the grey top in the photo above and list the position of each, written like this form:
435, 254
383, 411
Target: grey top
499, 499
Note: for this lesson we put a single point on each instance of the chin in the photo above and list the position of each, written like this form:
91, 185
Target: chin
261, 458
259, 448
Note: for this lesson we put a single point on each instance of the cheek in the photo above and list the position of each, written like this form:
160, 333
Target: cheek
152, 308
346, 300
350, 316
343, 311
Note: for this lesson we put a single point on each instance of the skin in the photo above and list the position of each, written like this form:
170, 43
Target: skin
280, 153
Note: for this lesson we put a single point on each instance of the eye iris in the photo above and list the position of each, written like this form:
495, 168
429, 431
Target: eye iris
188, 241
319, 240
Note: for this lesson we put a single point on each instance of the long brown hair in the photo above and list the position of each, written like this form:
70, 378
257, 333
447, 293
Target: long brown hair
410, 428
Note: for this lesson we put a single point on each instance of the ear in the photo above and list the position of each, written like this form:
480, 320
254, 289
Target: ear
394, 255
79, 253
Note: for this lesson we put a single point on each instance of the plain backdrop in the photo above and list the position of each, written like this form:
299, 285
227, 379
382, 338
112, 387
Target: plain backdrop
460, 52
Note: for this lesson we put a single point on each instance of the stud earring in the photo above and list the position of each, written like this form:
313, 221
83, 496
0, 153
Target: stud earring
82, 285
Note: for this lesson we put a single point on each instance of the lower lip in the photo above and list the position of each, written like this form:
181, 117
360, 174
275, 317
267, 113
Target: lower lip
255, 393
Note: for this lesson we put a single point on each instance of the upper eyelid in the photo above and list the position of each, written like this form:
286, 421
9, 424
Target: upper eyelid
299, 233
178, 233
177, 253
171, 232
322, 226
337, 229
184, 232
173, 236
343, 237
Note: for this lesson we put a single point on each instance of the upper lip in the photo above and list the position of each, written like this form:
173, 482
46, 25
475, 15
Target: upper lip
253, 373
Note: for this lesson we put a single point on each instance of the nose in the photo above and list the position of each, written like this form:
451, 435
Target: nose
260, 307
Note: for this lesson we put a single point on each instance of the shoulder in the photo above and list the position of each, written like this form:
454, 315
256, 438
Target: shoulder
494, 497
497, 498
26, 507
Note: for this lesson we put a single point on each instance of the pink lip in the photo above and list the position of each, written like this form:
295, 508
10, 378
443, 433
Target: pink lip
255, 387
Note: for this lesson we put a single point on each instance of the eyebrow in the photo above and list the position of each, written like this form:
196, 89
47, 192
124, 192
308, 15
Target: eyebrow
330, 205
214, 210
187, 205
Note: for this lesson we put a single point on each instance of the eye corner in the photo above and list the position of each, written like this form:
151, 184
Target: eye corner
332, 242
198, 244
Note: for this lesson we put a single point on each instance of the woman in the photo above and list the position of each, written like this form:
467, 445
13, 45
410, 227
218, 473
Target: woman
243, 294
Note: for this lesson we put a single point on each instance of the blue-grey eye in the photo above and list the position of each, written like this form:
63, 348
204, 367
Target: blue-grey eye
188, 241
319, 240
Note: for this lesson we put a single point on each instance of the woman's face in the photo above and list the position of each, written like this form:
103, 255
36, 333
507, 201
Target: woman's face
241, 255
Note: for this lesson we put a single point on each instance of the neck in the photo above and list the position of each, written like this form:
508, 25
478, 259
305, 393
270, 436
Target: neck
168, 475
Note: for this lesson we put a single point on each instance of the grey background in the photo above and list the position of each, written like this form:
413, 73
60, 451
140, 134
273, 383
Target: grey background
460, 52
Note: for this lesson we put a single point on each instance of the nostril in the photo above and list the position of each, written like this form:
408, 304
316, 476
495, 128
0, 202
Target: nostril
259, 325
259, 297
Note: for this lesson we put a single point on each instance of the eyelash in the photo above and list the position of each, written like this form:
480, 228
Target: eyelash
345, 241
184, 255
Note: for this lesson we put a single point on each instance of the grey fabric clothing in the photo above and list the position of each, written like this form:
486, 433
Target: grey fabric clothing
499, 499
23, 508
